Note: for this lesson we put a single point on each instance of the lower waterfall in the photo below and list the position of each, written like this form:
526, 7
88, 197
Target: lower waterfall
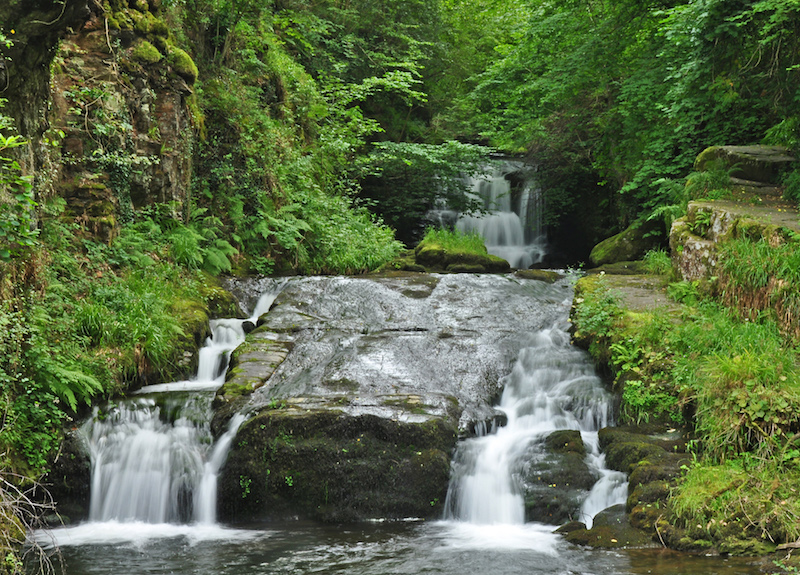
550, 388
154, 459
155, 463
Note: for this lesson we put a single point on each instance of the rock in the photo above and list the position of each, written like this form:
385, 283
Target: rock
630, 244
565, 441
753, 163
434, 256
541, 275
694, 238
70, 477
610, 530
251, 365
556, 483
329, 466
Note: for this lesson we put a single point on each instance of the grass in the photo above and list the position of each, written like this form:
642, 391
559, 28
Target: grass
454, 240
658, 262
738, 381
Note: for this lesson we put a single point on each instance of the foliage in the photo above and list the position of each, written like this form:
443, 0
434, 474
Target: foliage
406, 180
658, 262
760, 277
629, 92
17, 205
740, 498
454, 240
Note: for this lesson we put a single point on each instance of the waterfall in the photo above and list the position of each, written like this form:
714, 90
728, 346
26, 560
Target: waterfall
512, 226
550, 388
153, 455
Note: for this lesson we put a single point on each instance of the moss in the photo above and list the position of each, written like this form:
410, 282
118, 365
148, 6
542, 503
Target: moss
630, 244
183, 64
540, 275
159, 28
145, 53
333, 467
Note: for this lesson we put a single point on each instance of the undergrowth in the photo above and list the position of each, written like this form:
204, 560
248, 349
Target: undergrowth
734, 381
81, 320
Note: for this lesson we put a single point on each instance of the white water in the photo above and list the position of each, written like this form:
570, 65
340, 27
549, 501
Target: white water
551, 387
512, 232
154, 460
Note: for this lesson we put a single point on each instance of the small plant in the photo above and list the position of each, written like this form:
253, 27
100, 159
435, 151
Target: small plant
244, 483
658, 262
713, 183
701, 222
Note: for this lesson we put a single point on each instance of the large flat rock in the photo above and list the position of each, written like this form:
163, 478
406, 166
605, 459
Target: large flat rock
378, 377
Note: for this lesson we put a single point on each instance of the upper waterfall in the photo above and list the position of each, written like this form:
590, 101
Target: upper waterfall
512, 225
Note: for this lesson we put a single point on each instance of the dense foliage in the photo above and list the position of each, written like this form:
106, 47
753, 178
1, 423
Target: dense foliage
628, 93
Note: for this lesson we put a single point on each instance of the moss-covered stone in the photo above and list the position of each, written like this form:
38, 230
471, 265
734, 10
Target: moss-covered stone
611, 530
754, 163
565, 441
540, 275
145, 53
333, 467
630, 244
182, 64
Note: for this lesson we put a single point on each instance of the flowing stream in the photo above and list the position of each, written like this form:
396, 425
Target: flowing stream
155, 466
551, 387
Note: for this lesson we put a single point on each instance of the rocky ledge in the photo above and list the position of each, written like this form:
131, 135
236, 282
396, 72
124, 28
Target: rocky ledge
357, 389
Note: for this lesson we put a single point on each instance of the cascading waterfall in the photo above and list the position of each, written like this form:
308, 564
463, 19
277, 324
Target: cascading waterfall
512, 226
153, 456
549, 388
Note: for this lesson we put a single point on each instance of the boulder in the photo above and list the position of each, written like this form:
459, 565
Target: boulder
753, 163
555, 478
323, 464
630, 244
611, 529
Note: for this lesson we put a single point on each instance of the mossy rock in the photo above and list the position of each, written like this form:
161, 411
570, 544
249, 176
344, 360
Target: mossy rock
630, 244
753, 163
333, 467
433, 255
611, 530
183, 65
145, 53
466, 269
547, 276
565, 441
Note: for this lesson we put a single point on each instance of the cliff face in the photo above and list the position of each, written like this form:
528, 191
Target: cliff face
102, 94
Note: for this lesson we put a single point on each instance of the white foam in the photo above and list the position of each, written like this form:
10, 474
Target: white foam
139, 534
534, 537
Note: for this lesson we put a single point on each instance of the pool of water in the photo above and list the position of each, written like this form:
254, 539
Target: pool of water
444, 547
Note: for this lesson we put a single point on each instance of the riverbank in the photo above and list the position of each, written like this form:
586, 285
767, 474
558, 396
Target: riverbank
715, 355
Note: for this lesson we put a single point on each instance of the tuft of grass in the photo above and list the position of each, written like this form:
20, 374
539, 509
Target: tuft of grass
658, 262
455, 240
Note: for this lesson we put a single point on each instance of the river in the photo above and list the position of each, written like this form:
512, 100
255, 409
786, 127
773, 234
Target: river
155, 468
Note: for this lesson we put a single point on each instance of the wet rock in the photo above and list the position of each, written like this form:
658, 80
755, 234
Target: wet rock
329, 466
361, 417
556, 483
565, 441
610, 530
70, 478
251, 365
541, 275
